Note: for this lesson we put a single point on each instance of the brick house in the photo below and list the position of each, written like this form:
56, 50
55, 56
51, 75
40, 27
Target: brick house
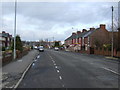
5, 39
88, 38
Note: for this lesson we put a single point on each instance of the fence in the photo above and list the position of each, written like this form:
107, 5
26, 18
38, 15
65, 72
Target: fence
8, 57
106, 52
98, 51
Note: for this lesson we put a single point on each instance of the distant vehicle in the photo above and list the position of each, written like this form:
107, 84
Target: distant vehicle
41, 48
56, 48
35, 47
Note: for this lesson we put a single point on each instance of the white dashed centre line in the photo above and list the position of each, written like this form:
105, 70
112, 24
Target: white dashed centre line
55, 64
91, 63
35, 60
56, 67
38, 56
60, 77
58, 71
51, 57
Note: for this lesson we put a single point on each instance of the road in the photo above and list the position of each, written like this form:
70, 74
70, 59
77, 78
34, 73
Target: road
61, 69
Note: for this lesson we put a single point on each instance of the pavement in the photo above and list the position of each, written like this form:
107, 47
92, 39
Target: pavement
61, 69
12, 72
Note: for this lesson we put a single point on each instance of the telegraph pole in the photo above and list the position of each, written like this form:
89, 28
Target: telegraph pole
53, 39
112, 48
15, 30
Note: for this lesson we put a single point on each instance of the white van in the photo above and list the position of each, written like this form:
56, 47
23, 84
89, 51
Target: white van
41, 48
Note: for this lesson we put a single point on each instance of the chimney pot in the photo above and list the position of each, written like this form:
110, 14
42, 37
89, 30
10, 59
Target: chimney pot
84, 30
92, 29
3, 31
78, 32
102, 26
73, 33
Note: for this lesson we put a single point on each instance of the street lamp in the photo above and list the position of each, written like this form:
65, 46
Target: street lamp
15, 30
112, 48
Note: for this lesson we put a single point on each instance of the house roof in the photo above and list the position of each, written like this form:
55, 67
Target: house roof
84, 34
5, 35
69, 38
87, 33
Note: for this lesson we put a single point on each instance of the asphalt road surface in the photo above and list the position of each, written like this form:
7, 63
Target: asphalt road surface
61, 69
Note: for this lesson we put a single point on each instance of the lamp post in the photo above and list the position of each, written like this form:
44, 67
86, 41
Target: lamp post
112, 48
15, 30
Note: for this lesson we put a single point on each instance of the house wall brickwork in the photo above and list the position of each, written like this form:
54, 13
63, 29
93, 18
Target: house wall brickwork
86, 41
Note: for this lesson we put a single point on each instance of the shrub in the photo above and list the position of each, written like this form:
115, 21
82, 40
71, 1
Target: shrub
19, 45
3, 48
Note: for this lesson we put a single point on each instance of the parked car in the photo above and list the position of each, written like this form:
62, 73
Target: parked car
56, 48
35, 47
41, 48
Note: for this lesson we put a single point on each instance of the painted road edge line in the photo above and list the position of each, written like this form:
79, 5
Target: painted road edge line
110, 70
23, 75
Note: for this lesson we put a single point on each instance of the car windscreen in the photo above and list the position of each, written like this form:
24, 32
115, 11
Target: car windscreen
41, 47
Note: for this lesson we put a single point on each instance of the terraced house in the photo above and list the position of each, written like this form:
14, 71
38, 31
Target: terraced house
88, 39
5, 39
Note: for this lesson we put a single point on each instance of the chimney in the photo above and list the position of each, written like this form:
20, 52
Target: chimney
73, 33
3, 31
78, 32
84, 30
10, 35
92, 29
102, 26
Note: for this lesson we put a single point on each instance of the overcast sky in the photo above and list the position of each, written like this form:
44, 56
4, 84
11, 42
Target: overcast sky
41, 20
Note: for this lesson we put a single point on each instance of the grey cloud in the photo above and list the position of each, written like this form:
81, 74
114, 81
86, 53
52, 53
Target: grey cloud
42, 17
65, 12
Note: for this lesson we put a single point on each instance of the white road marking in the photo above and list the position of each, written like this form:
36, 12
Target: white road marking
38, 56
33, 64
110, 70
12, 86
23, 75
55, 64
91, 63
58, 71
53, 61
56, 67
51, 57
35, 60
20, 60
63, 85
60, 77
